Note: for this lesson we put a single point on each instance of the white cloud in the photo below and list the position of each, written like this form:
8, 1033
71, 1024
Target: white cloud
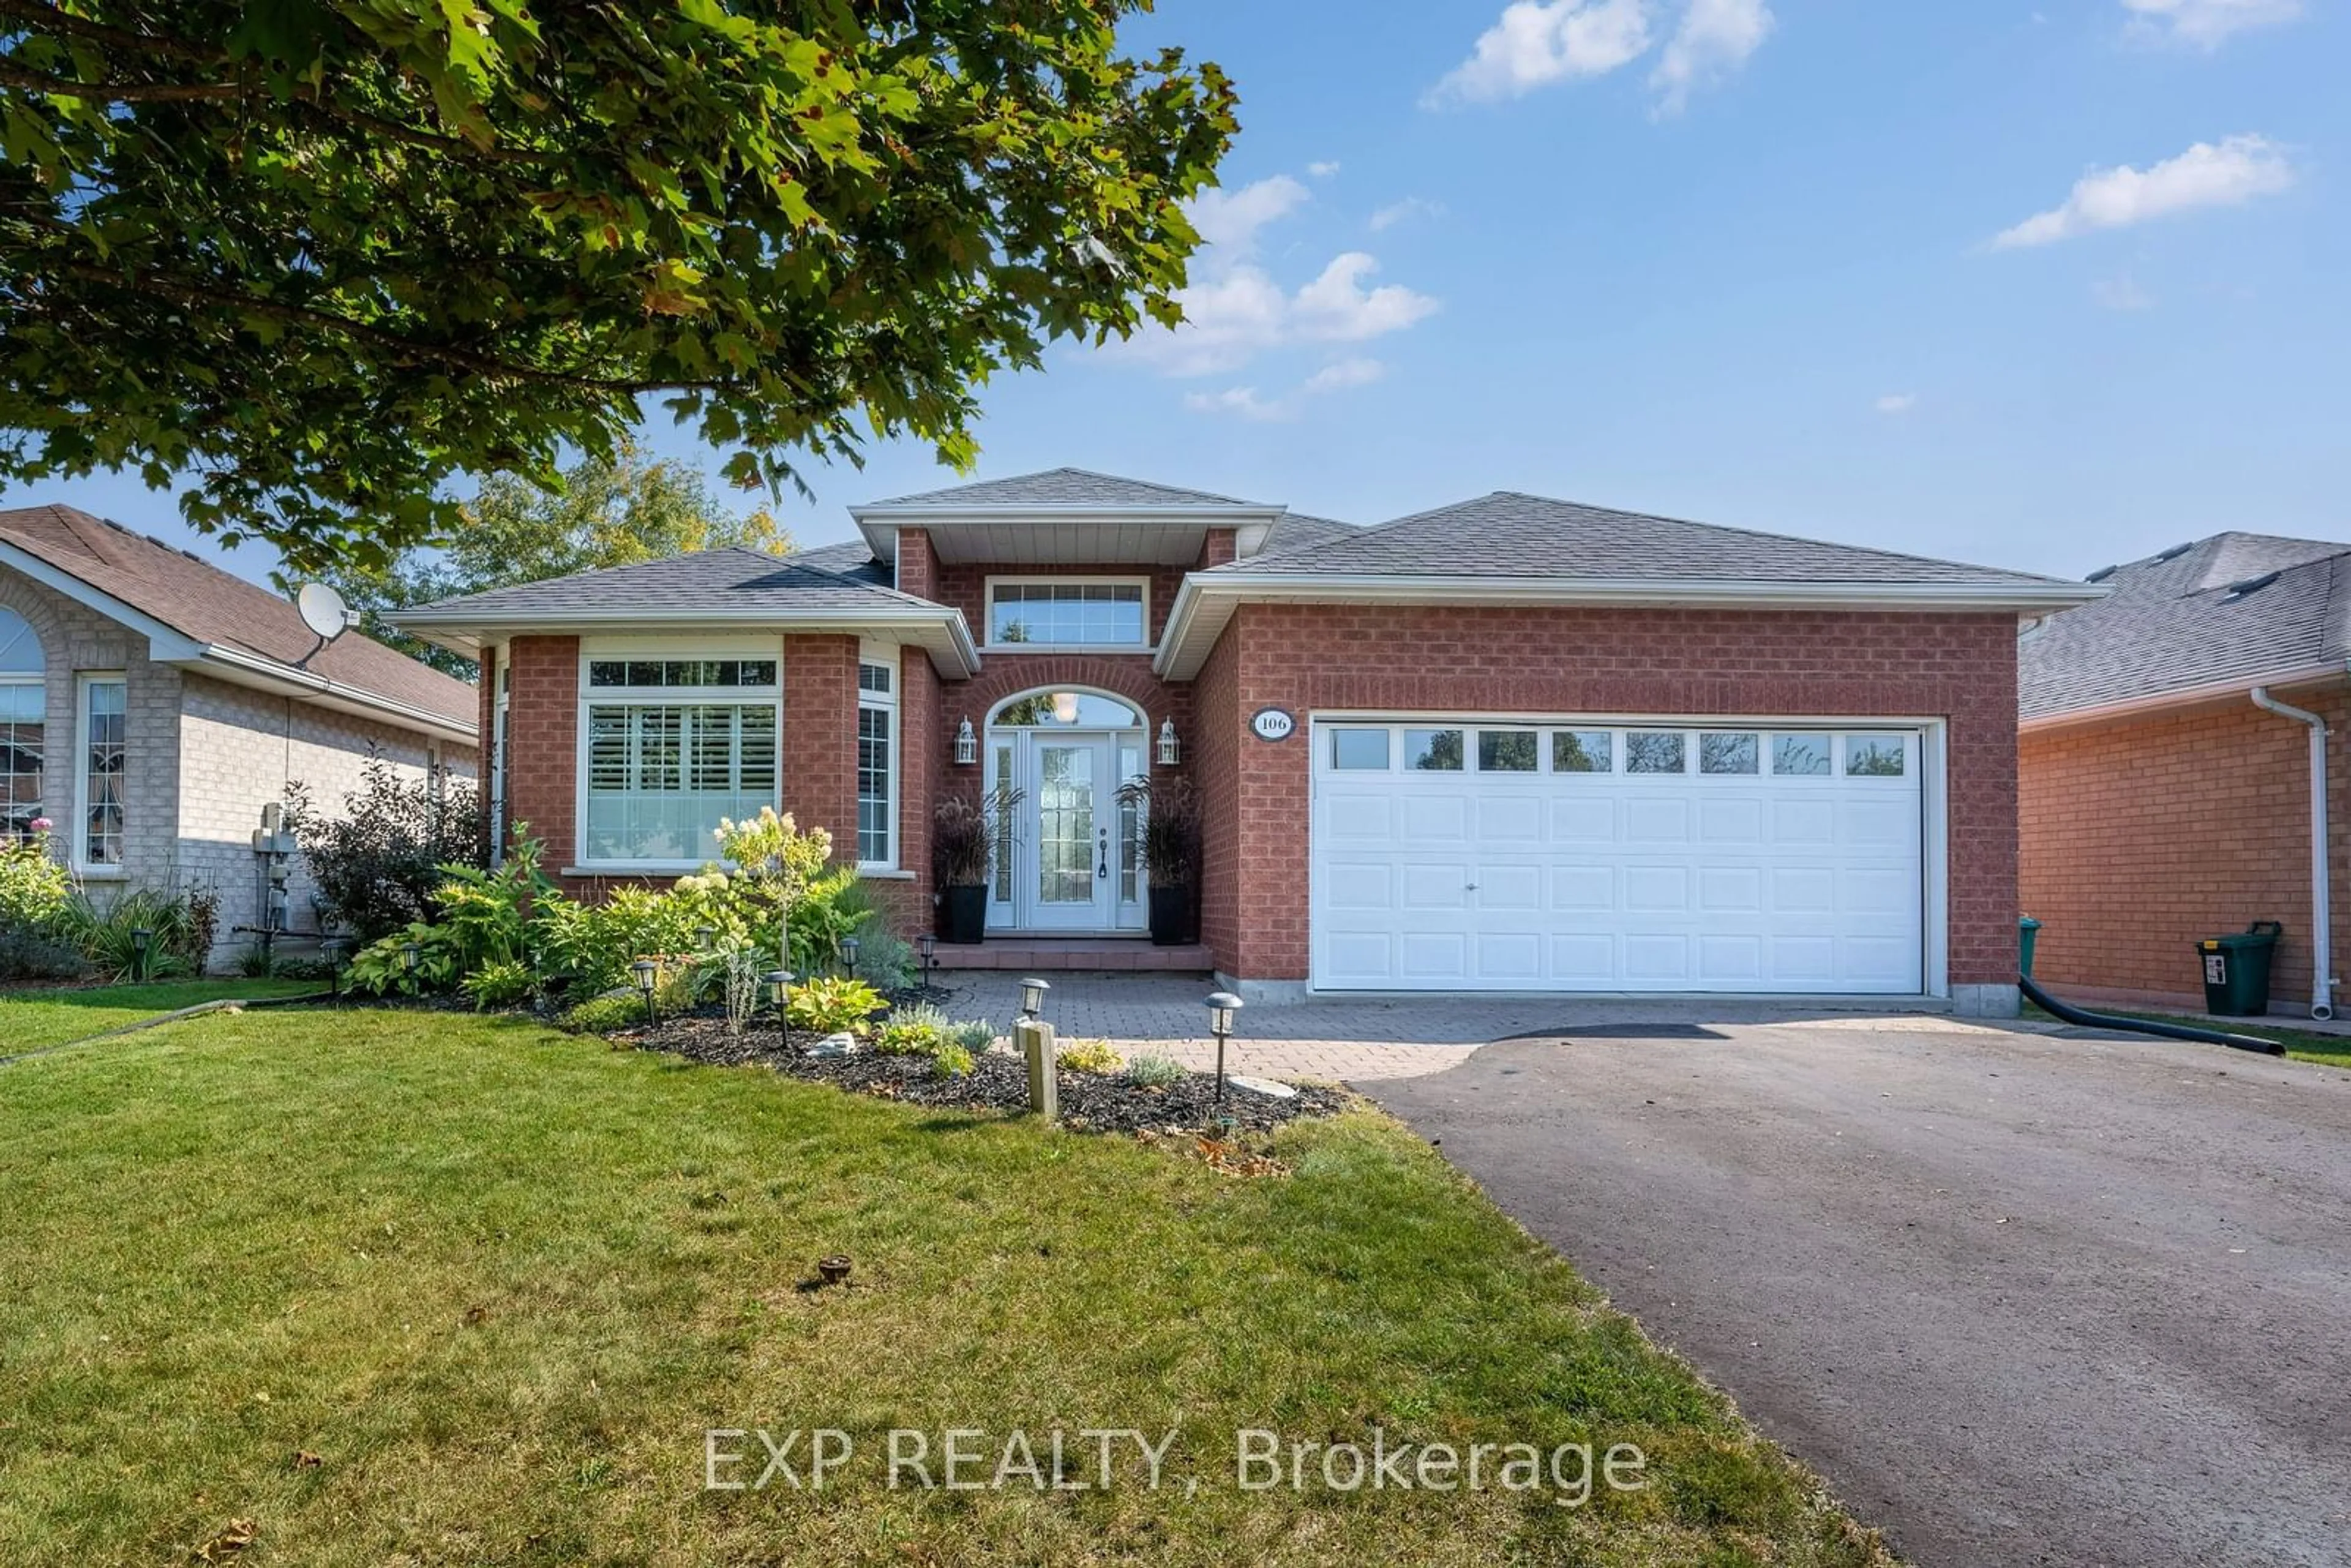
1336, 308
1323, 170
1898, 402
1714, 40
1246, 403
1533, 44
2121, 294
2230, 174
1231, 318
2204, 24
1242, 401
1231, 218
1411, 208
1355, 373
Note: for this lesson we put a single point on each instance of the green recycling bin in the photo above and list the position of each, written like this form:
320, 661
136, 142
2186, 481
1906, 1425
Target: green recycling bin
2237, 969
2028, 937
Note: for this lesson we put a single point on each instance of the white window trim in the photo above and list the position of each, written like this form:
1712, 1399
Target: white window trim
628, 696
888, 656
39, 682
1020, 579
83, 681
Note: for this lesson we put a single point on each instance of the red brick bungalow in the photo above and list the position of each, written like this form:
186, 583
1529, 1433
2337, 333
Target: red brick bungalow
1514, 745
2161, 800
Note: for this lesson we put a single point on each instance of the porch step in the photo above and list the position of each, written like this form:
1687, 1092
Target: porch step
1038, 953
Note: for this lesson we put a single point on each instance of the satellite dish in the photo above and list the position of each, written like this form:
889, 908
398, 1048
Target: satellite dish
323, 611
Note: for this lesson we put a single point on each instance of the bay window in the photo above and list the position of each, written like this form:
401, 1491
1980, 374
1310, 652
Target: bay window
668, 746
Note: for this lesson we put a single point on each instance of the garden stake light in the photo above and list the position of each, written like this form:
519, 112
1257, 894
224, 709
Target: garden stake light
141, 937
927, 944
776, 981
1032, 996
848, 956
1222, 1006
409, 953
647, 972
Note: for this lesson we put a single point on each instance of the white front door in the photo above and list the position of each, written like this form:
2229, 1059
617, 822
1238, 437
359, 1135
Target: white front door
1072, 875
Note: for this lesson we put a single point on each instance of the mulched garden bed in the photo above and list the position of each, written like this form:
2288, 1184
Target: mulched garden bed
998, 1081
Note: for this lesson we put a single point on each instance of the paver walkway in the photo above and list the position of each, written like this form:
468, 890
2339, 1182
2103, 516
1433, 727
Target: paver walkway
1336, 1039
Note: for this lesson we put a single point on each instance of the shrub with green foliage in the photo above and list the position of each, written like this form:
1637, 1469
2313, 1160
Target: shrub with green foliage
379, 862
1155, 1072
918, 1031
501, 984
34, 887
950, 1060
830, 1007
1088, 1056
107, 935
605, 1015
977, 1036
383, 965
885, 961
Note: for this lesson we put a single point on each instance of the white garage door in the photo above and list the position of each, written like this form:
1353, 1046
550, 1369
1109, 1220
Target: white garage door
1665, 857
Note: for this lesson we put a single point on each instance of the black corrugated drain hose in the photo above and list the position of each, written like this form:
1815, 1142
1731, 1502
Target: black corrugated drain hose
2083, 1020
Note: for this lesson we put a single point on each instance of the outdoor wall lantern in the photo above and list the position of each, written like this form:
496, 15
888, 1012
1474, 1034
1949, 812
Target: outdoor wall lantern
776, 981
1169, 752
967, 744
1065, 708
1221, 1009
647, 973
1032, 996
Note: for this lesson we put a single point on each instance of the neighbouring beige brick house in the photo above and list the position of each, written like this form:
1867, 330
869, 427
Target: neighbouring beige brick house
152, 705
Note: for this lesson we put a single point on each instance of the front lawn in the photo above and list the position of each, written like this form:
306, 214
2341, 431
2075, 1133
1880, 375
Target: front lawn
396, 1287
30, 1020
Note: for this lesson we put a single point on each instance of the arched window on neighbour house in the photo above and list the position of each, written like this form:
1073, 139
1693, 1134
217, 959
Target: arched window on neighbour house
24, 711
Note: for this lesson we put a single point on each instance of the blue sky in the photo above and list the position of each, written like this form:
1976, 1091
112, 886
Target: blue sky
2042, 286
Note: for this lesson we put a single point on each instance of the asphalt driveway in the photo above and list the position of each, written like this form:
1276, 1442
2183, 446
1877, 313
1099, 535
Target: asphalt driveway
2021, 1299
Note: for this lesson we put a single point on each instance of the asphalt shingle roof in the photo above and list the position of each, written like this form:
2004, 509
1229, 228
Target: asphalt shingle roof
2173, 623
1063, 487
201, 601
734, 579
1507, 534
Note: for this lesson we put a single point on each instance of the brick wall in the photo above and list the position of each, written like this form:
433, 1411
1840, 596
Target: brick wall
543, 733
2141, 835
921, 759
819, 740
1305, 657
239, 750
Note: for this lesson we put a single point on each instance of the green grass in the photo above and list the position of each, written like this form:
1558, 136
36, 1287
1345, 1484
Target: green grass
500, 1281
30, 1020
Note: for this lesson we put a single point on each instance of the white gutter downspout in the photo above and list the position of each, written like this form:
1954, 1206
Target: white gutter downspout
2322, 954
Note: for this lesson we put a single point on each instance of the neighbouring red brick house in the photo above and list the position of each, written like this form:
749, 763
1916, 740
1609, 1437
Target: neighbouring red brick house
1511, 745
2160, 801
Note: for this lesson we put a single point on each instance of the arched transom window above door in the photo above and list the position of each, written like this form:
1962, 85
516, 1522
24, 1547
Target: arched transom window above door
1065, 710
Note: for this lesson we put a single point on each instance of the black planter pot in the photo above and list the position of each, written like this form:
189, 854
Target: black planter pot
962, 915
1174, 921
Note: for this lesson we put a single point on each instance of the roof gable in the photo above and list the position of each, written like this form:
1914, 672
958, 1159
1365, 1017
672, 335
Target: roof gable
2233, 607
1061, 487
1511, 535
222, 610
